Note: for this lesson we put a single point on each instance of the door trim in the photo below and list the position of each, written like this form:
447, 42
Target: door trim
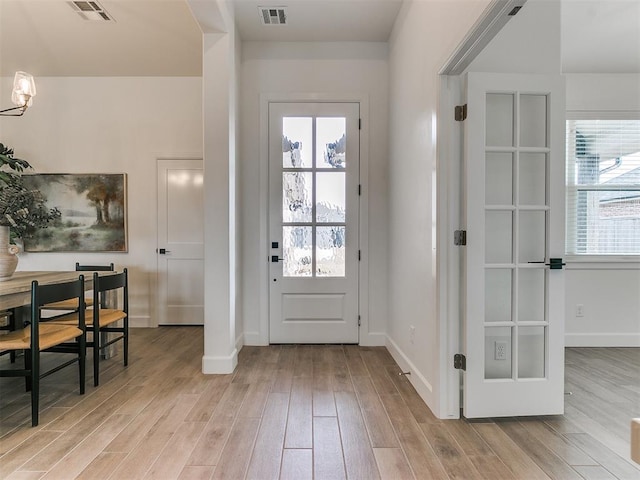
366, 337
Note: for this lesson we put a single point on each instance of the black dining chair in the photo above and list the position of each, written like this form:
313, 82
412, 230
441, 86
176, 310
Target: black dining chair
8, 325
104, 318
39, 337
70, 305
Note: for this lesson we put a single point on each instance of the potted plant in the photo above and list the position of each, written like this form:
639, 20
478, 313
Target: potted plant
22, 210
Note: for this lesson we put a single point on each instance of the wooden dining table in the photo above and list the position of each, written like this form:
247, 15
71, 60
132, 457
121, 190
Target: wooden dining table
16, 291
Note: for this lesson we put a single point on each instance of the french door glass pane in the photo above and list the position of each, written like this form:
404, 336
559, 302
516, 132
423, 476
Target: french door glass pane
331, 142
533, 120
296, 196
296, 251
531, 287
532, 236
497, 353
531, 352
498, 228
498, 179
499, 124
330, 251
297, 144
330, 197
533, 178
497, 294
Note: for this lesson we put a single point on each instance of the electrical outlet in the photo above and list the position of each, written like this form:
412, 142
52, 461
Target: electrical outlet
500, 350
579, 310
412, 333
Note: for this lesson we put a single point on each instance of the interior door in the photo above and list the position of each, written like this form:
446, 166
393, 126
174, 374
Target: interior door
180, 242
313, 222
514, 209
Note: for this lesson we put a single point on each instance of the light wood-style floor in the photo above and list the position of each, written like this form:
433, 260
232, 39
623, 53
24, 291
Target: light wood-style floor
303, 412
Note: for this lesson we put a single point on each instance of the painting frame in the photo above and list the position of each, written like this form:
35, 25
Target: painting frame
93, 209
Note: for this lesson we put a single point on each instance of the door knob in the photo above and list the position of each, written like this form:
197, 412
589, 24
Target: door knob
276, 259
163, 251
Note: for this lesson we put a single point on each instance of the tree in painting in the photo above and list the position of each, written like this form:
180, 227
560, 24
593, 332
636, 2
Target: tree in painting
106, 193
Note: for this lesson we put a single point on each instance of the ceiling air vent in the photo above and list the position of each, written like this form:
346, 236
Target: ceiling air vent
91, 10
273, 15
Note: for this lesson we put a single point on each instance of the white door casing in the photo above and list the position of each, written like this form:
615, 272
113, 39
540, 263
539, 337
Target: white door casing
313, 222
180, 242
513, 329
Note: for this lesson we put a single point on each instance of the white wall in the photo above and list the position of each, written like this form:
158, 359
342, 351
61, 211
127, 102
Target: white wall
111, 125
608, 291
324, 71
424, 36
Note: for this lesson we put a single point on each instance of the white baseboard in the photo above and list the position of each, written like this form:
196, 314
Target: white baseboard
253, 339
140, 322
419, 382
220, 365
373, 340
602, 339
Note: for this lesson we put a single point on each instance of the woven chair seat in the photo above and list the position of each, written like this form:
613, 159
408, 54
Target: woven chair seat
49, 335
107, 317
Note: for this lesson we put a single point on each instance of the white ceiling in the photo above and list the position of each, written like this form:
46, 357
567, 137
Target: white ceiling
160, 37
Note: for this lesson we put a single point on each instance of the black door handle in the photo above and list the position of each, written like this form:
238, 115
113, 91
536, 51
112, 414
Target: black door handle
555, 264
276, 259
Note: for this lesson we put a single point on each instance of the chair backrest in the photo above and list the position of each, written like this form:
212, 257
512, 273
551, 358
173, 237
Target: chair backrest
56, 292
94, 268
106, 283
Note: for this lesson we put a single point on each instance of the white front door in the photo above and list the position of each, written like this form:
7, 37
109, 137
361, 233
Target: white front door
313, 222
180, 242
514, 186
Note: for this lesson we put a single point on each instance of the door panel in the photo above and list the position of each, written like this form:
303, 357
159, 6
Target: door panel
514, 211
180, 242
313, 222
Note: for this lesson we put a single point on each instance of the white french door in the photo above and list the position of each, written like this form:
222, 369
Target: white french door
514, 207
313, 222
180, 251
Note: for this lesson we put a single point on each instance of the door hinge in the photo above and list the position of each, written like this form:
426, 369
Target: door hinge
459, 362
460, 237
359, 190
359, 255
359, 124
461, 113
358, 320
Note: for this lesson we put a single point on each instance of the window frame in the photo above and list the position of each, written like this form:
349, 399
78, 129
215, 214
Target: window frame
631, 260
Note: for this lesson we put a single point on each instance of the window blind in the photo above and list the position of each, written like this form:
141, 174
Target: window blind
603, 187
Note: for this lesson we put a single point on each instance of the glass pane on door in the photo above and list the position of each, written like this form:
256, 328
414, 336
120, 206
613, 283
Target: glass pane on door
297, 188
533, 179
532, 235
330, 250
330, 197
499, 125
297, 133
331, 142
498, 237
497, 353
498, 178
531, 288
497, 295
533, 120
296, 251
531, 352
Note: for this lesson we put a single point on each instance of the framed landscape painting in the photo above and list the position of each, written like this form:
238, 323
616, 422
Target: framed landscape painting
93, 208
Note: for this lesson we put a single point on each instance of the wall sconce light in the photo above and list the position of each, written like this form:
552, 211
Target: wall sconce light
24, 89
